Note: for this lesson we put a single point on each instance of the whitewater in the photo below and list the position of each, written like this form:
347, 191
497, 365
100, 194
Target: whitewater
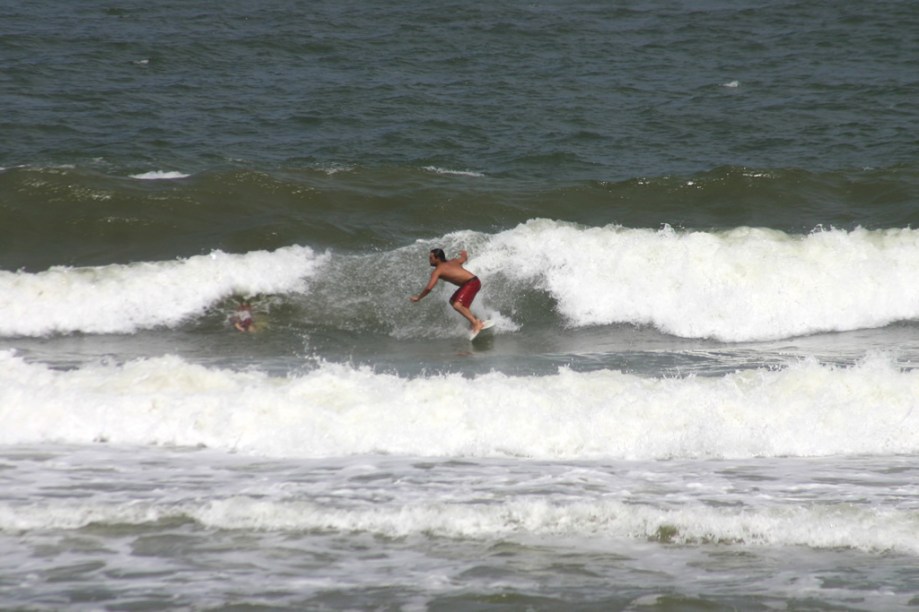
805, 409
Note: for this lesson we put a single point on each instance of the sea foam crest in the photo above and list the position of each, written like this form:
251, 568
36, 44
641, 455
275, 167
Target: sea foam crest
450, 172
160, 175
511, 517
737, 285
805, 409
123, 298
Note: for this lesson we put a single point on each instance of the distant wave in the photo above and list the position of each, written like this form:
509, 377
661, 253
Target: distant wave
158, 175
446, 171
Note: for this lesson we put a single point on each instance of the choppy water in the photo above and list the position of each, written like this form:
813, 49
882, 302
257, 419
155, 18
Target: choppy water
694, 226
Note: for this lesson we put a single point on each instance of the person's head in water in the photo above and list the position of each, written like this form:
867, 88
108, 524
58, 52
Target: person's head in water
437, 255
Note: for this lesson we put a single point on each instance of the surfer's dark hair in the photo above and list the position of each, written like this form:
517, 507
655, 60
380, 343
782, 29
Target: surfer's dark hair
439, 254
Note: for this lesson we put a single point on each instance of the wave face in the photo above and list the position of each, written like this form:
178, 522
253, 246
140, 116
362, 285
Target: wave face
81, 216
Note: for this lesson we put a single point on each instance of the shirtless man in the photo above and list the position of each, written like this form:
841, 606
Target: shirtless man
453, 271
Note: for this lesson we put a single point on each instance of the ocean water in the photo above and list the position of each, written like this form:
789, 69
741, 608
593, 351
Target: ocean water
694, 223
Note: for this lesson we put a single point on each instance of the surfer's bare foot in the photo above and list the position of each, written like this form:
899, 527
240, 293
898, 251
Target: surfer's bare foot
478, 326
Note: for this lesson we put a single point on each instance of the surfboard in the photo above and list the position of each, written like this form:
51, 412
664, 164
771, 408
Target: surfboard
485, 331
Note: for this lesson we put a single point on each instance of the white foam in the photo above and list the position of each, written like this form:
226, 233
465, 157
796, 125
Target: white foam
446, 171
334, 169
806, 409
159, 175
737, 285
863, 527
129, 297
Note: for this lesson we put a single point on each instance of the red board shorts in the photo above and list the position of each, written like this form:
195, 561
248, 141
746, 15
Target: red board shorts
466, 293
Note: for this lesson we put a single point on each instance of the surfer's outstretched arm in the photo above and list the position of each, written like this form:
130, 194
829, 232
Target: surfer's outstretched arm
435, 276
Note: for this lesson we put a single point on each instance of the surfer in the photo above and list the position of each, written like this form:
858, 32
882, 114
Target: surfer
453, 271
242, 318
